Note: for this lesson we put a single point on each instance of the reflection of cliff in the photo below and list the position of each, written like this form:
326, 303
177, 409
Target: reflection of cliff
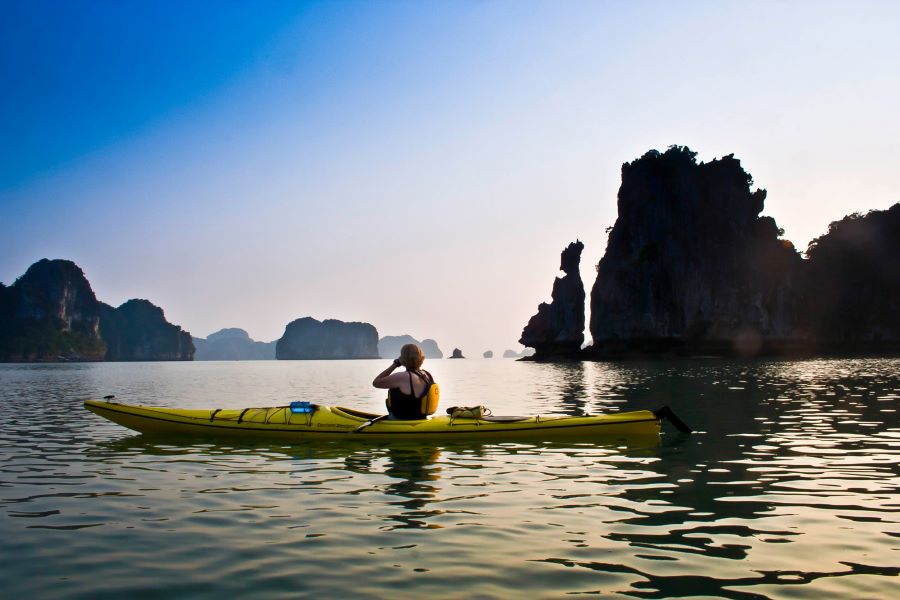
51, 313
414, 470
574, 387
308, 339
232, 344
558, 328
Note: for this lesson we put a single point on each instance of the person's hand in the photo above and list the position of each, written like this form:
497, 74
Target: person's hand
396, 362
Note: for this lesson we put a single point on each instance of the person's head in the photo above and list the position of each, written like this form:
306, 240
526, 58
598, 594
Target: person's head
411, 356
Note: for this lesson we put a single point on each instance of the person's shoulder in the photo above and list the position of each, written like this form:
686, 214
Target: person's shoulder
393, 378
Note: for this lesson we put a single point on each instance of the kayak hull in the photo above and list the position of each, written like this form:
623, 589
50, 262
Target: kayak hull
279, 423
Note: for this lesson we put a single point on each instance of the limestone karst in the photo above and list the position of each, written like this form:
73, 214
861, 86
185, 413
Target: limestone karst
232, 344
309, 339
51, 314
558, 328
691, 265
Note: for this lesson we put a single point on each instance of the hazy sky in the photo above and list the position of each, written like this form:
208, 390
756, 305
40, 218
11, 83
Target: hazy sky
415, 165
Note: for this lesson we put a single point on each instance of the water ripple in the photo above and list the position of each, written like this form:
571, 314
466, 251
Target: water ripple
790, 488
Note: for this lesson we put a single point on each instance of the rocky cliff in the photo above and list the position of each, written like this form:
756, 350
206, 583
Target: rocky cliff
691, 266
389, 346
558, 328
50, 313
854, 284
137, 330
232, 344
309, 339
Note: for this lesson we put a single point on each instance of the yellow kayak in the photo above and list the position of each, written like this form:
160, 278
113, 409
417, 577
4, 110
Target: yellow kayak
333, 422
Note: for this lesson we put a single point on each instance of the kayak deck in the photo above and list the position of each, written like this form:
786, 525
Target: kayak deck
337, 422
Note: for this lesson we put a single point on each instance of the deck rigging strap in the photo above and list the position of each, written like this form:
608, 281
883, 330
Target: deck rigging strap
241, 417
213, 415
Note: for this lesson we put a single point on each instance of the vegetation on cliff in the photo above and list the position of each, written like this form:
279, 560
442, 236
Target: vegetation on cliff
50, 313
854, 283
138, 330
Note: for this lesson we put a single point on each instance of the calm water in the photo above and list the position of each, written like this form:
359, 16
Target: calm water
791, 488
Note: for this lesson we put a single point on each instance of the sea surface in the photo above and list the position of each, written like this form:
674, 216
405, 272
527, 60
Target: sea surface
790, 488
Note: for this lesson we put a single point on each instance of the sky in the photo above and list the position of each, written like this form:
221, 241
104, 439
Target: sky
415, 165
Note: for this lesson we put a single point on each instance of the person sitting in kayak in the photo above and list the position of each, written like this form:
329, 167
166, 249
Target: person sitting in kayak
411, 395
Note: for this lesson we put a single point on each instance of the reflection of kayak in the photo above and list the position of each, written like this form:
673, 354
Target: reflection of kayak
343, 423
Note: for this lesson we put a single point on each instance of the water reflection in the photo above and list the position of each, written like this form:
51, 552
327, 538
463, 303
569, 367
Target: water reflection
651, 585
414, 471
569, 385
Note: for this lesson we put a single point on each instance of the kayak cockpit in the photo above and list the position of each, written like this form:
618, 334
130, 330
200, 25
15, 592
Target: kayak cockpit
353, 414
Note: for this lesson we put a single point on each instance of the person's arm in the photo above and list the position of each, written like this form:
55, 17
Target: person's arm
385, 379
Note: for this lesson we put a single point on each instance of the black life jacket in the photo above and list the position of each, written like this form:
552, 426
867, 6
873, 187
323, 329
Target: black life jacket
409, 407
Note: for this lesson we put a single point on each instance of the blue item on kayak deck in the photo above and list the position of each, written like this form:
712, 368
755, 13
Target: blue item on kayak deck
302, 407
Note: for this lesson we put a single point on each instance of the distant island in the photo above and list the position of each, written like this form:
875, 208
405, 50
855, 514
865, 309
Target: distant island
51, 314
488, 354
232, 344
527, 352
309, 339
389, 346
692, 268
457, 353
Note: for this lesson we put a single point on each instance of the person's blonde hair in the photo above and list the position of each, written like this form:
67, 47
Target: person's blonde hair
411, 356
